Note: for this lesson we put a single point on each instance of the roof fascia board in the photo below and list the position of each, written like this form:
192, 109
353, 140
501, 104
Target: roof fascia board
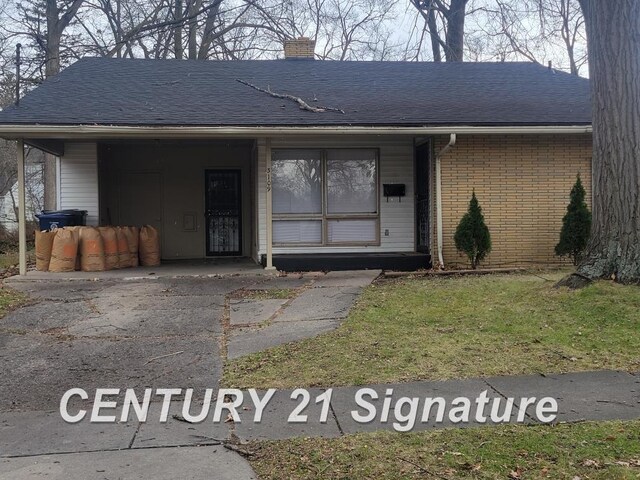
106, 131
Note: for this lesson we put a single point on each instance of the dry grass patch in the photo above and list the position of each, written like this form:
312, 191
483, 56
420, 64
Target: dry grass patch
9, 299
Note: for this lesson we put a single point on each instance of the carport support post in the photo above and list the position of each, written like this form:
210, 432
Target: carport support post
22, 221
269, 216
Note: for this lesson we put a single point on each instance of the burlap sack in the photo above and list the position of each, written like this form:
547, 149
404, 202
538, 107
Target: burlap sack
91, 248
149, 246
44, 245
132, 235
64, 251
110, 243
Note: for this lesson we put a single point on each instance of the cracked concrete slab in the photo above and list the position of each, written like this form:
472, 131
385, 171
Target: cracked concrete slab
347, 278
43, 368
46, 316
207, 286
278, 283
320, 304
111, 334
37, 433
149, 323
176, 431
61, 290
250, 312
138, 464
274, 425
603, 395
246, 341
344, 402
177, 303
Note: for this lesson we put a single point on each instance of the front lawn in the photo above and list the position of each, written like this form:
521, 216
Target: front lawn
606, 450
441, 328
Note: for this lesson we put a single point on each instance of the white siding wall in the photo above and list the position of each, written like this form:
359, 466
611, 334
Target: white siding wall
79, 179
34, 197
396, 166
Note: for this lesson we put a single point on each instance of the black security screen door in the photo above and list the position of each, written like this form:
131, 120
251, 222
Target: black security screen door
422, 198
223, 210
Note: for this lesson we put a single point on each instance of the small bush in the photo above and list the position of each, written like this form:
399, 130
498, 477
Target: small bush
576, 225
9, 241
472, 235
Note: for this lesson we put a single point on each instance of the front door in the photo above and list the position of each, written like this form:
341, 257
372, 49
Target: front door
422, 197
223, 212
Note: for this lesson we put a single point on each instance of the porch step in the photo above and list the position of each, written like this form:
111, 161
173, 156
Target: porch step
404, 261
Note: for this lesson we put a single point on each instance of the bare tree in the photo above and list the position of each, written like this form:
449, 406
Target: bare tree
535, 30
9, 166
444, 21
613, 32
43, 24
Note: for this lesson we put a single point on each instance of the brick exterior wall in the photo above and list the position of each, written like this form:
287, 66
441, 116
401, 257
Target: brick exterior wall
522, 183
299, 48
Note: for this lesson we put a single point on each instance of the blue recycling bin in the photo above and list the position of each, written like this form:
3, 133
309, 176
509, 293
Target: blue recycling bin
52, 219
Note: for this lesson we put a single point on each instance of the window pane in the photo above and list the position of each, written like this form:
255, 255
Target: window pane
297, 181
297, 231
353, 231
351, 181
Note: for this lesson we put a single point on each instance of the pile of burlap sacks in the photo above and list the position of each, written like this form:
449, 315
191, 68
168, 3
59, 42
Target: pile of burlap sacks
96, 249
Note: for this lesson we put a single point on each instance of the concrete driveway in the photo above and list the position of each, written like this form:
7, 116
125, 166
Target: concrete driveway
142, 333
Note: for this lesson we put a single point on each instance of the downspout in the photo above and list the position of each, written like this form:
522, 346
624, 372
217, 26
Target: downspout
449, 146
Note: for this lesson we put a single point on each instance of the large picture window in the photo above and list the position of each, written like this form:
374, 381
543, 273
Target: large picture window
325, 197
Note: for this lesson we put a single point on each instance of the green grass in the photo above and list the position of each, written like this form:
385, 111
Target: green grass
594, 451
459, 327
9, 299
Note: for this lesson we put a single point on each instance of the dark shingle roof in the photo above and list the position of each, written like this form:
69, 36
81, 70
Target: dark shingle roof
171, 92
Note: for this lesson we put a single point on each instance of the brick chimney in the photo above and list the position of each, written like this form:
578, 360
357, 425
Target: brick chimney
301, 47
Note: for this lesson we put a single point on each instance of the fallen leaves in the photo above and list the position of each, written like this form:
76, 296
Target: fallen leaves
516, 474
590, 463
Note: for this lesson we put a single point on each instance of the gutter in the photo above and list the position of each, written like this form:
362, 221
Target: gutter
78, 132
439, 238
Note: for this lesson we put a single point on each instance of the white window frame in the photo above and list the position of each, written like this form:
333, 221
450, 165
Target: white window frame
325, 216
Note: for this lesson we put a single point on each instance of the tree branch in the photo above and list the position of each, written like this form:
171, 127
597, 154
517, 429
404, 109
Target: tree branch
303, 105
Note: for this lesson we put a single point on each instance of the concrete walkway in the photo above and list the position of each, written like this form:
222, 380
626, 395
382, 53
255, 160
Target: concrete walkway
170, 329
40, 443
313, 304
602, 395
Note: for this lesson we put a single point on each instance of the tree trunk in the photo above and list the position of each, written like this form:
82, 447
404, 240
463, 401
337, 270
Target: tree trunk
52, 67
209, 25
454, 51
194, 7
613, 33
433, 33
50, 183
52, 48
177, 30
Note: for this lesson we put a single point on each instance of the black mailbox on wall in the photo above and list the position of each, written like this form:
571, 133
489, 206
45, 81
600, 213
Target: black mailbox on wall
393, 190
